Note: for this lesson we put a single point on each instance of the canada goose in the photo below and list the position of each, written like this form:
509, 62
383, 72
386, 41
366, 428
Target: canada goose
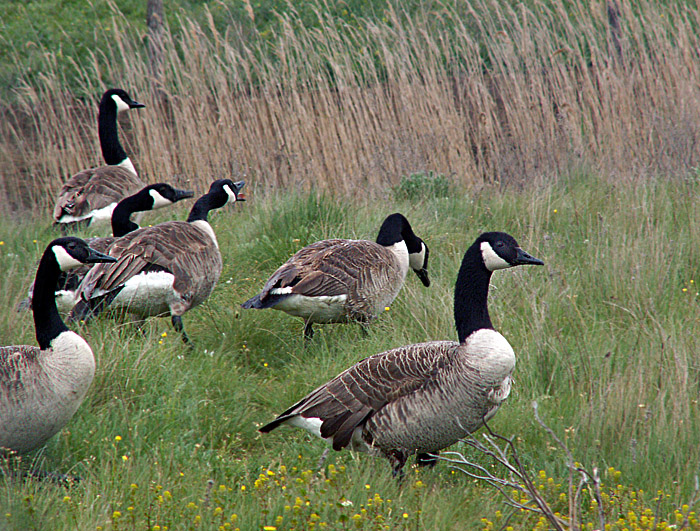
42, 387
168, 268
90, 195
151, 197
334, 281
422, 398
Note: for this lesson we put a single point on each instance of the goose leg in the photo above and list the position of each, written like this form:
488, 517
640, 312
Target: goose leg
308, 331
397, 459
322, 459
177, 325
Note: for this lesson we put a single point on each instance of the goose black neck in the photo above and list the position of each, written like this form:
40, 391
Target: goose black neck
47, 321
121, 222
200, 210
112, 150
471, 295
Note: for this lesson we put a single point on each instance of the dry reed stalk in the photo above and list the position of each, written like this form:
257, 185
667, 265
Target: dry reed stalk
482, 92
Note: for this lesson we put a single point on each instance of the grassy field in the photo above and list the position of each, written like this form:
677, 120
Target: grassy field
575, 128
605, 335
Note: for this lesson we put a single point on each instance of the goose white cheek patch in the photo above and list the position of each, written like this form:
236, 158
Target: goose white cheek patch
121, 104
416, 260
491, 260
158, 200
65, 260
229, 193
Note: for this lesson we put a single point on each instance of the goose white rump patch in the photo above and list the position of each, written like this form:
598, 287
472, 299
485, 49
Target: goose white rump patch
65, 300
100, 216
147, 293
325, 309
313, 426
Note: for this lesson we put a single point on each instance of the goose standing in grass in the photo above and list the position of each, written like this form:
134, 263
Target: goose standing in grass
151, 197
422, 398
168, 268
42, 387
336, 281
89, 196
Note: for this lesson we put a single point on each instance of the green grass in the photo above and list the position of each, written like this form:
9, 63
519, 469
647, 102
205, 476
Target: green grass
605, 335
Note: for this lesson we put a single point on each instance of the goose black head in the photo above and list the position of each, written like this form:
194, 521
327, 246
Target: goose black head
161, 195
71, 252
396, 228
500, 251
121, 99
226, 190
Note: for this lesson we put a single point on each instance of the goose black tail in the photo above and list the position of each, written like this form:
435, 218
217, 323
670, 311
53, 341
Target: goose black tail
86, 310
258, 304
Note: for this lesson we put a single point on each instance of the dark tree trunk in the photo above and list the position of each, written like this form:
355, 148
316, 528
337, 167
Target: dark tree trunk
155, 19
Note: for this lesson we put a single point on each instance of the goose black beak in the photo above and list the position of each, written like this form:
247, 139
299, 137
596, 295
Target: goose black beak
96, 257
240, 196
183, 194
423, 276
523, 258
136, 105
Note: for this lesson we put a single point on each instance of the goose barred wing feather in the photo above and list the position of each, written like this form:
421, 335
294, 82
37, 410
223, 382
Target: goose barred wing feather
14, 362
309, 272
158, 248
355, 395
94, 189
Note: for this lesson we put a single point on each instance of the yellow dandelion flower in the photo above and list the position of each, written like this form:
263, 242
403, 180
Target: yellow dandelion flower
116, 515
118, 438
66, 499
405, 515
125, 458
386, 308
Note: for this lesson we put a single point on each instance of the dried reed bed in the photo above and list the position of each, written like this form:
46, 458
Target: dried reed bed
484, 92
